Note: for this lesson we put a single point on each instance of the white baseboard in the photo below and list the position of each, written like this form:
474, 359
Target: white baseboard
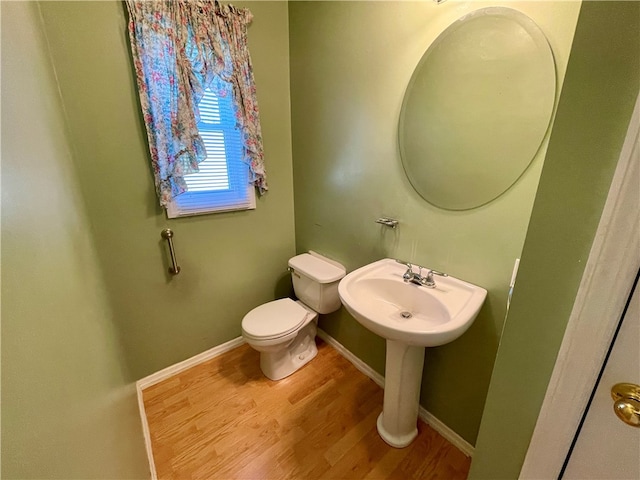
455, 439
359, 364
146, 434
169, 372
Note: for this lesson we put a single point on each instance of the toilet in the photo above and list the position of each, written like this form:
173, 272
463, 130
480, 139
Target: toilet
284, 330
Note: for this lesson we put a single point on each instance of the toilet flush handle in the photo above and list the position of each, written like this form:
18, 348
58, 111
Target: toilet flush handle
293, 271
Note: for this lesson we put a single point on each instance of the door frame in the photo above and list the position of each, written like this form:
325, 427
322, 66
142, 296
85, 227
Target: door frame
609, 273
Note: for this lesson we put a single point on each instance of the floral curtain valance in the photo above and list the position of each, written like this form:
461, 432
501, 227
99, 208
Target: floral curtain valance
179, 48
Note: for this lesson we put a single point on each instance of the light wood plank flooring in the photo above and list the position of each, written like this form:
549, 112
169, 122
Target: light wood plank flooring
224, 420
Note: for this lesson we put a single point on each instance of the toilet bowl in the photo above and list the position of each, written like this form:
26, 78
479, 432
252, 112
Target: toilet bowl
284, 330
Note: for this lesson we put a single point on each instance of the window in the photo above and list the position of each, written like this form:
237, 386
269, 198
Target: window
222, 184
179, 48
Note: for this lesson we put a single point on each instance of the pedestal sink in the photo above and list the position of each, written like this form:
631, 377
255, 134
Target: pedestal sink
410, 317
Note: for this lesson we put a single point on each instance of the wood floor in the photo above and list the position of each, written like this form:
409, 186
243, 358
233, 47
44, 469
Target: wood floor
224, 420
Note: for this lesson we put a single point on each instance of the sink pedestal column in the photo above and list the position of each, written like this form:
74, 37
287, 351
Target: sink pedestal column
397, 424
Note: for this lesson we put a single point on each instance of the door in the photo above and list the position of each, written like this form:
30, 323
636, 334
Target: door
605, 447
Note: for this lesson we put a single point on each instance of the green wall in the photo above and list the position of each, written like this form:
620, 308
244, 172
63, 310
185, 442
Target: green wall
87, 304
601, 87
350, 65
68, 409
230, 262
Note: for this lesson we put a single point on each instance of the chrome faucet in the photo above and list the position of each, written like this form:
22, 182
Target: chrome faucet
417, 279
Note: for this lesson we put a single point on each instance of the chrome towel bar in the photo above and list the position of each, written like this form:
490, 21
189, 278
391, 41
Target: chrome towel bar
167, 234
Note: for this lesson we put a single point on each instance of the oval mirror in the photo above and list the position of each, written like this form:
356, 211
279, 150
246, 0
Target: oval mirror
477, 108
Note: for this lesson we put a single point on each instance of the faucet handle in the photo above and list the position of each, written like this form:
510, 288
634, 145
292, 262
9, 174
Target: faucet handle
435, 272
409, 273
405, 263
428, 280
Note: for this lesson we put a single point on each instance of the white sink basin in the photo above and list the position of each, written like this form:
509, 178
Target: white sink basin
410, 317
377, 296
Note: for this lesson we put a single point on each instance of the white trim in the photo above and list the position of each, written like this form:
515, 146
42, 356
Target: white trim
359, 364
455, 439
608, 276
168, 372
173, 210
146, 434
172, 370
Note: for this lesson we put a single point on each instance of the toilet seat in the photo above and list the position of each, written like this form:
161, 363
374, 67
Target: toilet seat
274, 319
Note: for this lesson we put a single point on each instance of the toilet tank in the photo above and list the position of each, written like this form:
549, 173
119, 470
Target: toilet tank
315, 281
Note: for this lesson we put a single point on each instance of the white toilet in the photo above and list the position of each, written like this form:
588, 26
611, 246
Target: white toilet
284, 331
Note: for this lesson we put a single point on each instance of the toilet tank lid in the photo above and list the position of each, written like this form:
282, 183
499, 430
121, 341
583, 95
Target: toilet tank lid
316, 268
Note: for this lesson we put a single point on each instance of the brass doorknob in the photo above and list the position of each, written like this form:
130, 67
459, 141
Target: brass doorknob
627, 402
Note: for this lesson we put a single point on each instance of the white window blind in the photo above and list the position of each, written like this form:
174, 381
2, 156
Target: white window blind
222, 183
